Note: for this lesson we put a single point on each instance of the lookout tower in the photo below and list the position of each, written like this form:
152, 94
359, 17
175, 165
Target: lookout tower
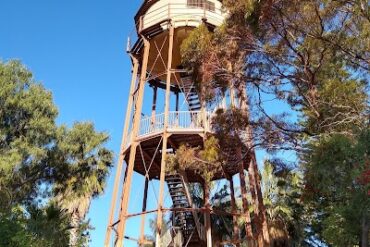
161, 26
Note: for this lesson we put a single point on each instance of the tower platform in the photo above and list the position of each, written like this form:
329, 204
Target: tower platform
185, 127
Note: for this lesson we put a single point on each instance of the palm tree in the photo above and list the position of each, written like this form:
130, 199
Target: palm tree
281, 193
88, 164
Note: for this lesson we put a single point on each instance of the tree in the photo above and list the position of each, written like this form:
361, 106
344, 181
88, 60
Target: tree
337, 180
27, 127
282, 190
45, 169
81, 151
44, 226
312, 56
221, 68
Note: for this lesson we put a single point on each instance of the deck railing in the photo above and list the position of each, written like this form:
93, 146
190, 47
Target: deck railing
181, 11
177, 121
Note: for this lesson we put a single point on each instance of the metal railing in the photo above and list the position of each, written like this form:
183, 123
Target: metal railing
177, 121
181, 14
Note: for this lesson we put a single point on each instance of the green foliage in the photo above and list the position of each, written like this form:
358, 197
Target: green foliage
206, 161
40, 161
228, 124
195, 46
27, 126
87, 161
282, 190
341, 104
314, 57
46, 226
338, 186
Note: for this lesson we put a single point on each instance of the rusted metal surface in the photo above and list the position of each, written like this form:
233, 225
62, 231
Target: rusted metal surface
145, 146
130, 168
165, 136
145, 198
121, 155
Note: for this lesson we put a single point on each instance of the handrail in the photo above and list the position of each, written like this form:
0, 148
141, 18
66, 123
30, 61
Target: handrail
177, 120
177, 12
199, 226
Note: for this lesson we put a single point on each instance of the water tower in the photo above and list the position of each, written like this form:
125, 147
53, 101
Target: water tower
161, 26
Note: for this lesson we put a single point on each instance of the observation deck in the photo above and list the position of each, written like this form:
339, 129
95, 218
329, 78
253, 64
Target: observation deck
184, 127
179, 122
152, 22
180, 12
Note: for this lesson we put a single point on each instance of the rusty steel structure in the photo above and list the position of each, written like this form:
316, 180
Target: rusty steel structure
161, 26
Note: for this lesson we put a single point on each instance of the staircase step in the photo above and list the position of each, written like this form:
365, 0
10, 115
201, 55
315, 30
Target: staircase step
174, 185
195, 104
181, 205
178, 197
176, 188
195, 109
181, 200
172, 178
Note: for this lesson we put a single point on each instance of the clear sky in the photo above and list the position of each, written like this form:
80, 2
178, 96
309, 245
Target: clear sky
76, 48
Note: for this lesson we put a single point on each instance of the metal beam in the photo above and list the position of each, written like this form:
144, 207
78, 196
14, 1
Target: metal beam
150, 157
188, 196
142, 224
157, 83
122, 155
165, 136
135, 129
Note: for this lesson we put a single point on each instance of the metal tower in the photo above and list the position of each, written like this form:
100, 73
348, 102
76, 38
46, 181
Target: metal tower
161, 26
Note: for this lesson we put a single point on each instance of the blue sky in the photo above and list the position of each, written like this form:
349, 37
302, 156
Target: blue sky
76, 48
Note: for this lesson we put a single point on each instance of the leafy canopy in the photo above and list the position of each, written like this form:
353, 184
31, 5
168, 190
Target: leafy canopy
48, 173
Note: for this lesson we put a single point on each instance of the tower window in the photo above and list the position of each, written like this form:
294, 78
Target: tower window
208, 5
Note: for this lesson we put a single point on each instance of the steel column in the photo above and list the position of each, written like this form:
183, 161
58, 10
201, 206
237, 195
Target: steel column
135, 129
165, 136
121, 155
145, 198
154, 106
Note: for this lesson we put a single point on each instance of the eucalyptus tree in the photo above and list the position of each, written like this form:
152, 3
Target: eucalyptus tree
312, 56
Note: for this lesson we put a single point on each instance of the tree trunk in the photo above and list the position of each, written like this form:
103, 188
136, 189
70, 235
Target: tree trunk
207, 215
243, 190
262, 218
364, 231
255, 181
73, 232
77, 216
